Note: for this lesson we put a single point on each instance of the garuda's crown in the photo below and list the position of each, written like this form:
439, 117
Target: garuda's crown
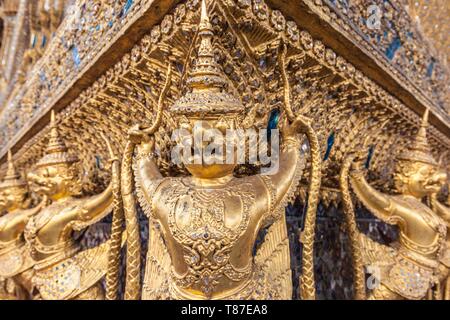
56, 152
12, 178
420, 150
207, 96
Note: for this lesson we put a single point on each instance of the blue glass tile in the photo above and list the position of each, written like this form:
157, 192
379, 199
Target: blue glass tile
44, 41
272, 124
330, 143
393, 47
76, 56
430, 68
98, 162
263, 63
42, 76
369, 156
33, 43
127, 6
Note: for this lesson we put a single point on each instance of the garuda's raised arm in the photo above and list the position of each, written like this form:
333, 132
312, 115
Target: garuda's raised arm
7, 224
96, 207
148, 176
378, 203
286, 178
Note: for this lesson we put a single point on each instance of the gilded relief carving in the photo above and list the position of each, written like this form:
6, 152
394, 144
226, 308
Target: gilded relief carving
99, 98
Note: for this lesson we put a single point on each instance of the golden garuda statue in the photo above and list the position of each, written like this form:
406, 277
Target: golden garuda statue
442, 288
15, 260
61, 270
203, 226
409, 268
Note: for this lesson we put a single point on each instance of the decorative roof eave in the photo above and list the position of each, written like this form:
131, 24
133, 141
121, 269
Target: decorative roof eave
337, 33
104, 56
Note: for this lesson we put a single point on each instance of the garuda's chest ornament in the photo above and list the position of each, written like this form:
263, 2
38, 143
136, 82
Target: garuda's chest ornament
207, 225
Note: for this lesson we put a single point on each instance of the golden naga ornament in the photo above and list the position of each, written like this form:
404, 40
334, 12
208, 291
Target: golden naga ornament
409, 268
15, 260
203, 226
61, 271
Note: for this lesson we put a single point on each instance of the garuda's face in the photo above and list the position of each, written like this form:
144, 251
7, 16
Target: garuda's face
425, 180
12, 198
205, 141
53, 181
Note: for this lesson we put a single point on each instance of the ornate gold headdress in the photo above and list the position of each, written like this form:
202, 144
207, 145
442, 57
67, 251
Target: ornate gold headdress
207, 96
12, 178
420, 150
56, 151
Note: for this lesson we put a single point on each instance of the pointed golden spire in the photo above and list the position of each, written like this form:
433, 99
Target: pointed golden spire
11, 170
56, 151
420, 150
55, 143
12, 178
11, 173
206, 67
204, 19
421, 141
206, 80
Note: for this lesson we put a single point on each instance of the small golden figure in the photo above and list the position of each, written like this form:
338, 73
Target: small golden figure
408, 268
15, 260
61, 271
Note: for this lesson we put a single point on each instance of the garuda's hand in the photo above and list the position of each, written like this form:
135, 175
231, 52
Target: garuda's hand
359, 160
290, 130
137, 134
145, 141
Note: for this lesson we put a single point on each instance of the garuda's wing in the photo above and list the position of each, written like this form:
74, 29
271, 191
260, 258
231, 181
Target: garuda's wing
273, 256
73, 276
158, 262
374, 253
157, 269
93, 264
